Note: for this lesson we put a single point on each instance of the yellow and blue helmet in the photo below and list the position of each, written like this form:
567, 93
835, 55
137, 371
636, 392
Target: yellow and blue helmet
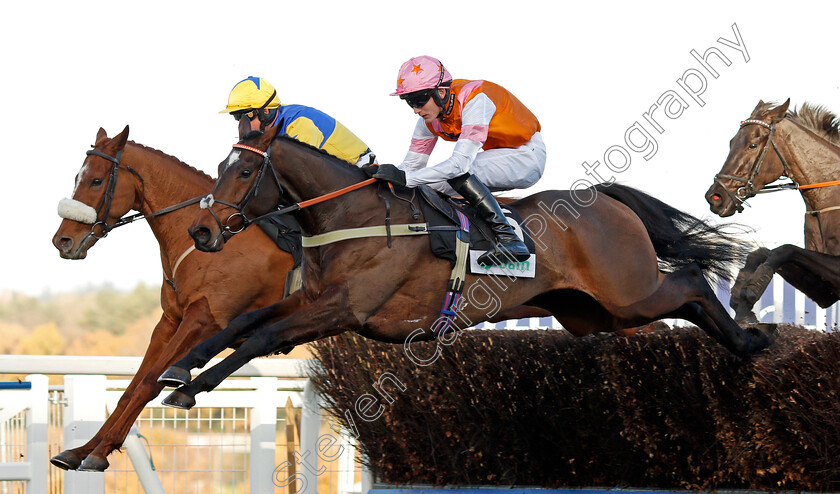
252, 93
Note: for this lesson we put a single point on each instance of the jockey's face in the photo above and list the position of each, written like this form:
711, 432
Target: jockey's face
251, 115
430, 111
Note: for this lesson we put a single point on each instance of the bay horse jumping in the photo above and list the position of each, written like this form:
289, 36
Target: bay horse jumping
202, 292
597, 266
805, 149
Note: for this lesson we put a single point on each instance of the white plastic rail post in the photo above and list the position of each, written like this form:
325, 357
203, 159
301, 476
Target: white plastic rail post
142, 463
84, 415
310, 420
37, 425
263, 434
778, 299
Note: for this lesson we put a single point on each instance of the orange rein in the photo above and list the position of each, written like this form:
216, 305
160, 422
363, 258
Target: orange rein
308, 202
331, 195
821, 184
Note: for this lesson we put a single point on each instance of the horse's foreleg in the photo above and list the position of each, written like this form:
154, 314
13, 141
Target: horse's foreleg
743, 309
197, 324
326, 316
815, 274
71, 459
243, 326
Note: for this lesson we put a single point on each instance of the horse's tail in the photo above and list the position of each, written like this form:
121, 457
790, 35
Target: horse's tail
679, 238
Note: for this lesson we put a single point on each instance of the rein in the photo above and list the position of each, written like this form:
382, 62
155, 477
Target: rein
208, 200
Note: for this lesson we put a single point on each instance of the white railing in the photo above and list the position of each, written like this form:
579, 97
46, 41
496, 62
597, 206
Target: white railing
88, 396
29, 399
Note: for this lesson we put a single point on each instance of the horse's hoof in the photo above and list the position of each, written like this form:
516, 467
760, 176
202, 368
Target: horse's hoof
66, 460
747, 319
750, 297
287, 349
175, 377
769, 329
178, 399
763, 334
93, 464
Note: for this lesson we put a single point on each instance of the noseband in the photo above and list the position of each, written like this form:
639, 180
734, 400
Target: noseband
265, 167
748, 190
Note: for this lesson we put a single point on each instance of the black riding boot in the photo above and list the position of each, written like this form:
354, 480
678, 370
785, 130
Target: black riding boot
508, 247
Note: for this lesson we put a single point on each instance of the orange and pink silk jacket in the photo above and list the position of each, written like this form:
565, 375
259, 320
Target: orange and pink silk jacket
484, 115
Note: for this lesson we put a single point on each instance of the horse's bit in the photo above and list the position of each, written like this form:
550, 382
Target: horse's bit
748, 190
208, 200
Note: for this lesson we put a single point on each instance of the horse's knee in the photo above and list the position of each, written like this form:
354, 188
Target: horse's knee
756, 257
782, 255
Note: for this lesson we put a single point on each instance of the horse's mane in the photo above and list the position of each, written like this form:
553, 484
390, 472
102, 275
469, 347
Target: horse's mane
818, 120
173, 158
327, 155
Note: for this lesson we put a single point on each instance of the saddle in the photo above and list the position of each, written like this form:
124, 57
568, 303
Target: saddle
441, 211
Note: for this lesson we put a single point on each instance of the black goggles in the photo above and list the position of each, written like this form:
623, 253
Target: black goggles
418, 99
251, 114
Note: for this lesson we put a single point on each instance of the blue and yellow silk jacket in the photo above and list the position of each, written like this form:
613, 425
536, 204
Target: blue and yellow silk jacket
320, 130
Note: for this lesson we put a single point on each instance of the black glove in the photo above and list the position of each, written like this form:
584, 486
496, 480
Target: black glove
391, 174
370, 170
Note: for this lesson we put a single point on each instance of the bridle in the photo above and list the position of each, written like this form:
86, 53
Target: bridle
208, 200
100, 228
265, 167
748, 190
104, 208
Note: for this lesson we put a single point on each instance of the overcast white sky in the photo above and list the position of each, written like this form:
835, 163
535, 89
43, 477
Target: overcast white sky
588, 70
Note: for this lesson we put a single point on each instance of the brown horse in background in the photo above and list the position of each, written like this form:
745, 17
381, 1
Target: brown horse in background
200, 298
597, 264
805, 150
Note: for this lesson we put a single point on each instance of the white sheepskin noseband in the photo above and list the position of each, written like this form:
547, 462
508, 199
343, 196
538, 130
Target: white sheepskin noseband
71, 209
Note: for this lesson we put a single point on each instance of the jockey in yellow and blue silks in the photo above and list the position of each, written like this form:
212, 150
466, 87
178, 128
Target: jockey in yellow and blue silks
254, 98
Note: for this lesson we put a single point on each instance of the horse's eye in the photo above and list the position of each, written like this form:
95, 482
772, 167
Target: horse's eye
753, 146
244, 173
96, 182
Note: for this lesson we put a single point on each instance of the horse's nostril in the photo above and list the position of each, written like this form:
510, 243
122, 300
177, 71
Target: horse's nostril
65, 242
201, 233
715, 197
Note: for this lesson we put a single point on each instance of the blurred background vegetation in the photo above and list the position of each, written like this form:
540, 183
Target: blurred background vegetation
97, 321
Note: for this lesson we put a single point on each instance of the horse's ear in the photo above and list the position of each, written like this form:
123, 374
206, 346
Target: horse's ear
100, 135
244, 127
777, 114
121, 138
757, 110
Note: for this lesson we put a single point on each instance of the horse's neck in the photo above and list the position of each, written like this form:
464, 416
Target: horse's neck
306, 175
166, 182
813, 160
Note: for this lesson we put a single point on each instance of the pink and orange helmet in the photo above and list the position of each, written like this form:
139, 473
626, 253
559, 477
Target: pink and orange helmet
420, 73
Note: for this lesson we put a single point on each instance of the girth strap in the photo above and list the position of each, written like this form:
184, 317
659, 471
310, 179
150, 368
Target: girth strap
364, 232
455, 286
823, 210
